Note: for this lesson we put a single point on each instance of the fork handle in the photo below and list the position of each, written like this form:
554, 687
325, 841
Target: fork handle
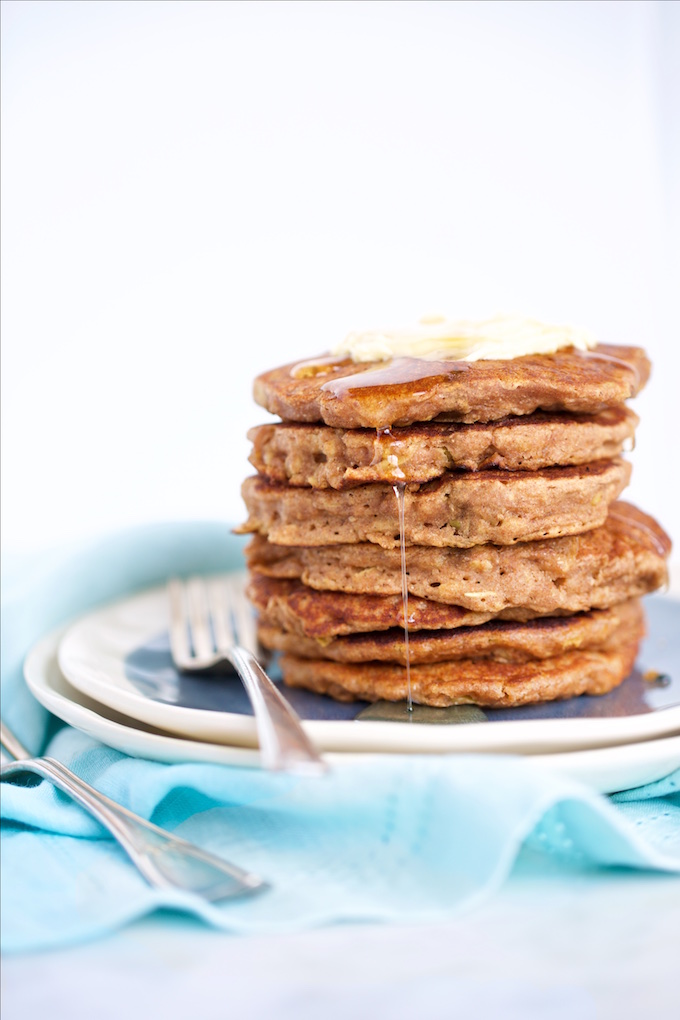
284, 745
166, 861
12, 743
107, 812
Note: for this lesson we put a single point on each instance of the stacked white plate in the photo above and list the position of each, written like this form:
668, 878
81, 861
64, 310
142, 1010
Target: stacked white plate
110, 674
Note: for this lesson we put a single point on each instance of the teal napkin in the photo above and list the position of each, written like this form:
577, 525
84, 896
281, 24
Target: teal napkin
382, 838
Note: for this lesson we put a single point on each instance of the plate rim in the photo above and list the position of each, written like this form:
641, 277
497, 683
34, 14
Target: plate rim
346, 735
663, 752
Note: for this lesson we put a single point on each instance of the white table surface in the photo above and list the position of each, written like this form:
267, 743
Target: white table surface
552, 943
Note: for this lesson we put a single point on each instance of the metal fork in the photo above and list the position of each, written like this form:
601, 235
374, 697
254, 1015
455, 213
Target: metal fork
166, 861
211, 622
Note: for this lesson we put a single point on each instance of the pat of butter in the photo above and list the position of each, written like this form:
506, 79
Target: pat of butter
435, 337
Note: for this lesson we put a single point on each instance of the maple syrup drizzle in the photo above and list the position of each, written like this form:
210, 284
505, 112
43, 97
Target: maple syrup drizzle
612, 360
399, 490
396, 372
407, 371
385, 458
652, 676
324, 365
641, 526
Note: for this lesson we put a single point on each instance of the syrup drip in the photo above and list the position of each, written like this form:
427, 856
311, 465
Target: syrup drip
601, 356
325, 365
399, 491
644, 528
397, 372
385, 457
652, 676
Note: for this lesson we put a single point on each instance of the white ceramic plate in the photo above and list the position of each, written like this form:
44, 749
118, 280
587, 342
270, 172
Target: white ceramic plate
606, 769
120, 656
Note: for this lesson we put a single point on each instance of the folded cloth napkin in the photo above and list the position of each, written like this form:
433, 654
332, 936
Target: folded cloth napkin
381, 838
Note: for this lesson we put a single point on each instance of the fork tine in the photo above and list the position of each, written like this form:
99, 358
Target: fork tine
284, 744
179, 639
220, 611
201, 635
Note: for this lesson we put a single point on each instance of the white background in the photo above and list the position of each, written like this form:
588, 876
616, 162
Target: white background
195, 192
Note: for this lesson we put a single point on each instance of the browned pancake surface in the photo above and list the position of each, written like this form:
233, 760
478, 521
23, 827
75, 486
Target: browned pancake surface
469, 681
504, 642
325, 457
460, 509
405, 390
293, 606
623, 559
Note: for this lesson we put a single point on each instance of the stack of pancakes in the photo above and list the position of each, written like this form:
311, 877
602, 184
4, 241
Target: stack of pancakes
523, 572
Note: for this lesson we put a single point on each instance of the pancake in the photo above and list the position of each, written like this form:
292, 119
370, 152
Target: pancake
460, 509
324, 457
503, 642
470, 681
625, 558
292, 606
348, 395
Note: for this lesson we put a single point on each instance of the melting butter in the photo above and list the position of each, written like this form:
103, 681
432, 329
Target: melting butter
435, 337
